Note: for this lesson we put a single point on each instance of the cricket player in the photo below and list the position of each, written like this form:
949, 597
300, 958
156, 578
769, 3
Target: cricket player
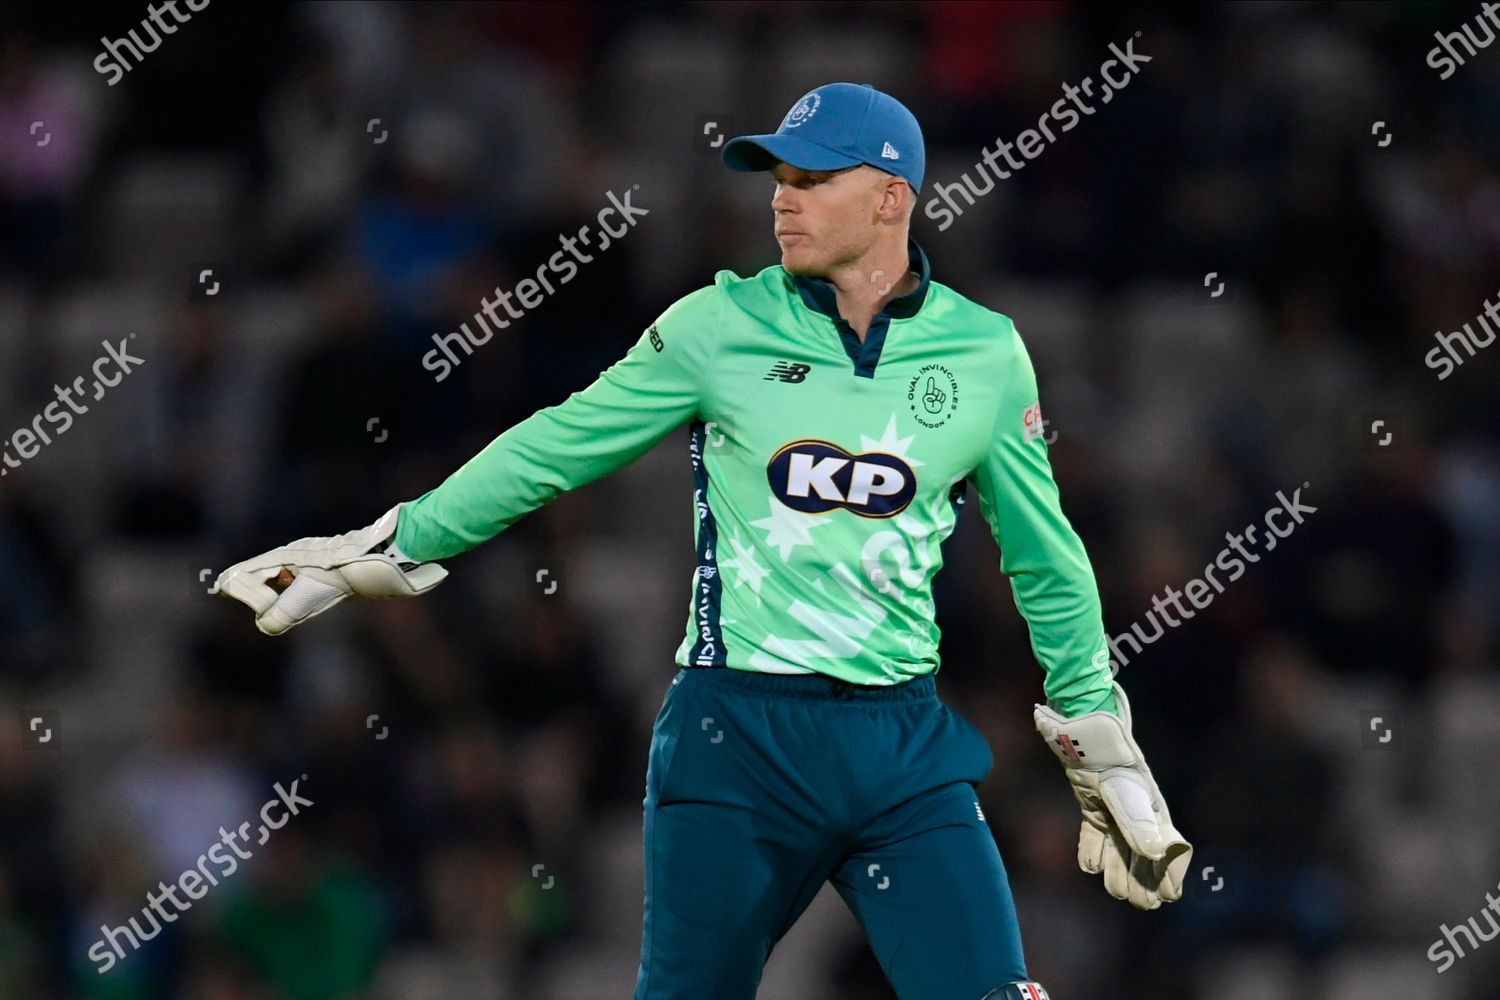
838, 403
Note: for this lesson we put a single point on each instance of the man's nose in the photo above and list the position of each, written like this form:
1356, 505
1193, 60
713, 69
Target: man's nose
784, 200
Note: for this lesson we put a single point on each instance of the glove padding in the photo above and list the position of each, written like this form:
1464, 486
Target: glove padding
363, 563
1127, 832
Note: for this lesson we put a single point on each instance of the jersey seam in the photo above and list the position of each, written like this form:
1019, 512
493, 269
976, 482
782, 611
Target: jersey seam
708, 480
714, 346
995, 423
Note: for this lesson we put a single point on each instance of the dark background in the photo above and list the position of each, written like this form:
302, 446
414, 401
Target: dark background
515, 725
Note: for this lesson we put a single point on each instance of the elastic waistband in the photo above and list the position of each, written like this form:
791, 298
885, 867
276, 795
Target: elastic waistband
818, 686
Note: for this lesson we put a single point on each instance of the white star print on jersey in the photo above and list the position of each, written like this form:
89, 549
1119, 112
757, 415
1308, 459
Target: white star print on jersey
743, 566
786, 528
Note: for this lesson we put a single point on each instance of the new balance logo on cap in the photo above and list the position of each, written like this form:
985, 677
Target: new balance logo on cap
888, 152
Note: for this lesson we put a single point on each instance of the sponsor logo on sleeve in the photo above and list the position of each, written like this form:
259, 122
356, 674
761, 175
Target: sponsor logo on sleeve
1031, 422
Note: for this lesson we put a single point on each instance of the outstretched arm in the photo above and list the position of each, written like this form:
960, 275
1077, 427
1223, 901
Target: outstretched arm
631, 406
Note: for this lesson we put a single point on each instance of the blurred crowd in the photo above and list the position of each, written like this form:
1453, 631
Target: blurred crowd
284, 202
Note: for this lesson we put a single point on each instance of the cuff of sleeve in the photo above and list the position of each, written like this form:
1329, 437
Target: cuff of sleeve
1103, 700
403, 527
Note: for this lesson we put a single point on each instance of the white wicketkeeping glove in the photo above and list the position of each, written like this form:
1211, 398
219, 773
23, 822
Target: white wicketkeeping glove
364, 563
1127, 832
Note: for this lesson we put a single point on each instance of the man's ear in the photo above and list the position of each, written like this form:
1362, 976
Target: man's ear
897, 202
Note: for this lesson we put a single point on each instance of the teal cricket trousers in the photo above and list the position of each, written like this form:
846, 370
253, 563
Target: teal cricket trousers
761, 787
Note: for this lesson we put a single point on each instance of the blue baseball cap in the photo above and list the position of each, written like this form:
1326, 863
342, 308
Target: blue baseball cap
835, 126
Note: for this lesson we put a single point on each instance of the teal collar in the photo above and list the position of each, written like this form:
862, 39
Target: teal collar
819, 296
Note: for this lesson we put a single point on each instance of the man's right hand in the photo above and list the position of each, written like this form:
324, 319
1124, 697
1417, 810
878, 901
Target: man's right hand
324, 571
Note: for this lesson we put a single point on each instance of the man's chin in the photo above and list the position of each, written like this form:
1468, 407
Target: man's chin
795, 261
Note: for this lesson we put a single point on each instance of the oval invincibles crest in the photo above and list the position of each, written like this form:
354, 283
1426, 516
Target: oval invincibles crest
932, 395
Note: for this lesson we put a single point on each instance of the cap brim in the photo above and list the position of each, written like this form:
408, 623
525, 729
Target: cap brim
762, 152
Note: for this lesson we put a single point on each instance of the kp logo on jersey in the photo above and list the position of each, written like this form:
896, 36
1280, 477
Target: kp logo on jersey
816, 477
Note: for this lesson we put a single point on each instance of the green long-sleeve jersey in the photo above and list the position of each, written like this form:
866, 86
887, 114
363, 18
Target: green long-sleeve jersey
827, 471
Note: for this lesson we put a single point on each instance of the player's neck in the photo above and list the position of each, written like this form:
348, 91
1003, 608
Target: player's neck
863, 287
